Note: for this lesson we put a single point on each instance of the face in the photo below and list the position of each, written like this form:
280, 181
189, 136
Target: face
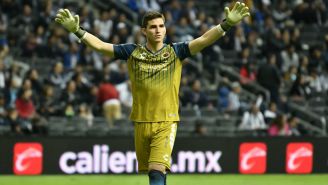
155, 30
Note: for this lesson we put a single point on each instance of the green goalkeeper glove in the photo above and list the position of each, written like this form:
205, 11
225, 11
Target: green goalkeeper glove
70, 23
233, 17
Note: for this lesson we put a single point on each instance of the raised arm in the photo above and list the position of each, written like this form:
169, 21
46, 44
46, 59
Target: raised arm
72, 24
233, 17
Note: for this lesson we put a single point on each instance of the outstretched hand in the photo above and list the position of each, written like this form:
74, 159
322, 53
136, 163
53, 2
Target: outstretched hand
238, 12
66, 19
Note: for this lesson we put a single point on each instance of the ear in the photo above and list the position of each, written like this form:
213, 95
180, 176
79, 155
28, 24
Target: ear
143, 30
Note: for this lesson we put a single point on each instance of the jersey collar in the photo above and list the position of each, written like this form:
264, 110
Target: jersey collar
155, 53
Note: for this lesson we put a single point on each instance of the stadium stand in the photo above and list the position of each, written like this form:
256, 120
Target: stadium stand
30, 40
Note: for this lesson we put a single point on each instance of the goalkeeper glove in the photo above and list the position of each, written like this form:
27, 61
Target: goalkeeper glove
234, 16
70, 23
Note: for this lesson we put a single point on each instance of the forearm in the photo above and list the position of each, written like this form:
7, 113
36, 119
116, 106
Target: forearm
206, 39
97, 45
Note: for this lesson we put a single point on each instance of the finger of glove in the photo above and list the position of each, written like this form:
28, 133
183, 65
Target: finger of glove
245, 10
59, 16
237, 4
226, 11
77, 19
59, 20
61, 12
68, 13
240, 7
246, 14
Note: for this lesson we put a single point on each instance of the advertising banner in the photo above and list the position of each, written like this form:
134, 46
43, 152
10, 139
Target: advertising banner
116, 155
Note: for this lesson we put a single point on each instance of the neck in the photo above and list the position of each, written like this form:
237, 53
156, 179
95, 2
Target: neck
155, 46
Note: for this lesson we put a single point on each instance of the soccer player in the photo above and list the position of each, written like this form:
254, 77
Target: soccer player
155, 72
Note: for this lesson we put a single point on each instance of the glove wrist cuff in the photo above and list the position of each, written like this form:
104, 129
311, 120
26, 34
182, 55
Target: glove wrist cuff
220, 30
225, 25
80, 32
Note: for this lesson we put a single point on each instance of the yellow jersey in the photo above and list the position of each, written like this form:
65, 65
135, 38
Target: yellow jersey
155, 80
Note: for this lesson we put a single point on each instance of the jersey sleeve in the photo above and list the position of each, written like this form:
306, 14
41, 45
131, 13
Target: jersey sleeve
123, 51
182, 50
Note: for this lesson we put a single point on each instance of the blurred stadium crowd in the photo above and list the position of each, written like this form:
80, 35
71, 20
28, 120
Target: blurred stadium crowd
247, 81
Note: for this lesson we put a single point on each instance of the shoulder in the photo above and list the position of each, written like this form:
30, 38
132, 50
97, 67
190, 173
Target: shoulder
181, 49
123, 51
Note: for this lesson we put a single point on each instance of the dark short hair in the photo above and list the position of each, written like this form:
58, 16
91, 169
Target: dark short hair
150, 16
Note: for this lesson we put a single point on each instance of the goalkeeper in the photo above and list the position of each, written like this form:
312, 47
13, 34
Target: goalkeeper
155, 71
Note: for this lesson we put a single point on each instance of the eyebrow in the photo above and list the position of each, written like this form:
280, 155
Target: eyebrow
154, 25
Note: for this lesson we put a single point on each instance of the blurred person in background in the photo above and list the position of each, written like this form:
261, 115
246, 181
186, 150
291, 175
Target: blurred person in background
300, 89
236, 106
85, 113
3, 110
270, 113
108, 99
125, 94
253, 119
269, 77
33, 123
200, 129
16, 123
195, 96
279, 126
49, 102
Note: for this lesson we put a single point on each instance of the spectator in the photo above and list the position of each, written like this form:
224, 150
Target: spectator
247, 73
269, 77
32, 121
2, 75
104, 25
295, 128
108, 97
16, 124
300, 89
69, 99
279, 127
289, 58
3, 111
86, 114
303, 68
11, 93
223, 98
281, 12
316, 83
235, 104
290, 76
252, 119
200, 129
49, 103
270, 113
36, 85
316, 60
196, 97
146, 5
57, 76
125, 94
72, 57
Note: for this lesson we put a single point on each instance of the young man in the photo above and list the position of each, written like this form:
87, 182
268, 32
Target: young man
155, 72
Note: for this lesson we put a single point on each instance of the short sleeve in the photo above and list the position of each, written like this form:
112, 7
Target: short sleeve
182, 50
123, 51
